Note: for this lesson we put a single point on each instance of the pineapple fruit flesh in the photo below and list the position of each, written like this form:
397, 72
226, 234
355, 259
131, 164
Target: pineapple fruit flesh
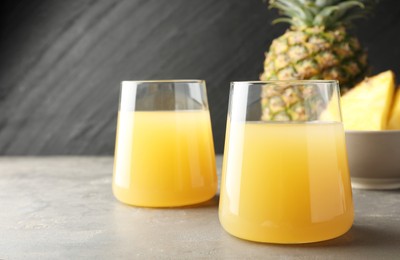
394, 119
316, 46
367, 105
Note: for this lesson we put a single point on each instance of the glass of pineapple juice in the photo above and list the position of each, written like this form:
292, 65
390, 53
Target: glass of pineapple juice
285, 176
164, 152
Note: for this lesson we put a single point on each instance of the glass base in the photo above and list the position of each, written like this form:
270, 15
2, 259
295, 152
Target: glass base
166, 201
289, 235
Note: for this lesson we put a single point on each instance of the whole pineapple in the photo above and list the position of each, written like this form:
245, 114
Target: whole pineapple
315, 47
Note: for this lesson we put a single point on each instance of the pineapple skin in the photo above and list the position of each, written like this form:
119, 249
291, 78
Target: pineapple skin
285, 102
316, 53
309, 53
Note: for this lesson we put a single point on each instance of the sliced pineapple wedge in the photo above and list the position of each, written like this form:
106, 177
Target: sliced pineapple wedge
367, 105
394, 117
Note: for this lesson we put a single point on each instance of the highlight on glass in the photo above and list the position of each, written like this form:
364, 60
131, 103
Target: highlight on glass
285, 176
164, 154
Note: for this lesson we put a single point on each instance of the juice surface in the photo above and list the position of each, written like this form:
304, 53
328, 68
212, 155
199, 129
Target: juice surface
164, 158
285, 183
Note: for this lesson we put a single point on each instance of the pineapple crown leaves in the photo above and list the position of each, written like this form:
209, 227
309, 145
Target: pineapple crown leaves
321, 13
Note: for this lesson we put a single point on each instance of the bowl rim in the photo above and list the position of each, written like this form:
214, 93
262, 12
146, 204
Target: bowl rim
371, 132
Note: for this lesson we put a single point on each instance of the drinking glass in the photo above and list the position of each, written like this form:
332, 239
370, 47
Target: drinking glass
164, 152
285, 176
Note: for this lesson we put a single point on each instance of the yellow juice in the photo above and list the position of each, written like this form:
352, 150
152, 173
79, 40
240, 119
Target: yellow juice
164, 158
286, 183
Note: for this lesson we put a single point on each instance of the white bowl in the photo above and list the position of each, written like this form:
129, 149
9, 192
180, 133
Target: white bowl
374, 159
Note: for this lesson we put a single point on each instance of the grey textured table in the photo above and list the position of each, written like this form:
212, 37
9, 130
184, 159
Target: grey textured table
63, 208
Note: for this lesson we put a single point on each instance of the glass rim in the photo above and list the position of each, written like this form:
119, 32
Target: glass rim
294, 82
164, 81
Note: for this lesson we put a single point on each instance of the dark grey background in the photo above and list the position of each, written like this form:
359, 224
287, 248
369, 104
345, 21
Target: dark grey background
61, 62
